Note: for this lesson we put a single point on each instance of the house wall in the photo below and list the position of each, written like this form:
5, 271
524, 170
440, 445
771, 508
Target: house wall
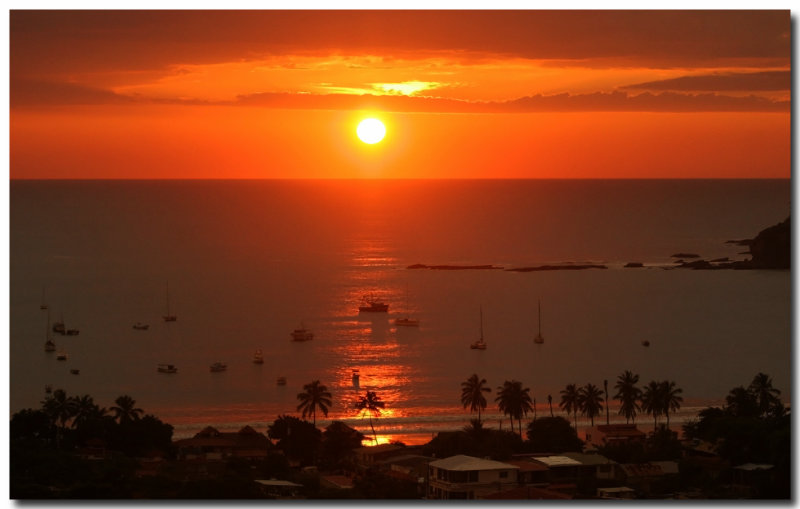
445, 484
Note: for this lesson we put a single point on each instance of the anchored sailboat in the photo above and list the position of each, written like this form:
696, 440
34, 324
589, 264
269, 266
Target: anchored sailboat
539, 339
407, 321
49, 344
480, 344
169, 317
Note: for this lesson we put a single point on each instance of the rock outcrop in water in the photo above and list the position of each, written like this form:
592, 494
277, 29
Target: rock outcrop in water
453, 267
557, 267
770, 249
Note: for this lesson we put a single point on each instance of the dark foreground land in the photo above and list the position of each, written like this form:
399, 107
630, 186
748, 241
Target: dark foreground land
72, 449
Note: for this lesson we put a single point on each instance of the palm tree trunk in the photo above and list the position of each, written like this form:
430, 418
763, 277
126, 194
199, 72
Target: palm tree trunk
374, 435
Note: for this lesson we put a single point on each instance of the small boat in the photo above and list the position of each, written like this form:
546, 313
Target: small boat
302, 334
258, 357
49, 344
645, 343
61, 356
72, 332
539, 339
281, 380
218, 366
372, 305
58, 327
169, 317
75, 371
356, 379
167, 368
480, 344
406, 322
141, 326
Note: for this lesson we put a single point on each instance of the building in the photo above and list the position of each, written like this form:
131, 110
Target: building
467, 477
604, 469
372, 455
610, 434
212, 444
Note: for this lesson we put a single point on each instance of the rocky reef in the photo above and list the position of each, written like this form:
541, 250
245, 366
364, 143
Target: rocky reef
770, 249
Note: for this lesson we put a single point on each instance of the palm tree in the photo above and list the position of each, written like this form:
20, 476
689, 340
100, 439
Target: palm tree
316, 396
590, 401
605, 393
60, 409
766, 395
126, 410
85, 410
670, 398
550, 402
651, 401
372, 404
741, 403
569, 402
628, 395
472, 394
514, 401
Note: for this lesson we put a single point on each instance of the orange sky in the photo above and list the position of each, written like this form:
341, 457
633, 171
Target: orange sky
464, 94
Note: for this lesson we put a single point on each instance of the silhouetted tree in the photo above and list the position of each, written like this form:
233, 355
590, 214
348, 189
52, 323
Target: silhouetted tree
590, 401
550, 402
652, 403
628, 395
514, 401
125, 409
371, 404
553, 434
338, 442
570, 401
670, 398
472, 394
741, 403
766, 395
86, 410
315, 396
298, 439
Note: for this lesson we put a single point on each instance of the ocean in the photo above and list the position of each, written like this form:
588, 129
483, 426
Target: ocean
247, 262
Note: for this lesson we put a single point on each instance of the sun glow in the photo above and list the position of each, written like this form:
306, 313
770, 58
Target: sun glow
371, 130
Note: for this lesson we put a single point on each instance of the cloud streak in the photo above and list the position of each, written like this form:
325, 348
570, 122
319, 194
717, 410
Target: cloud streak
729, 82
600, 101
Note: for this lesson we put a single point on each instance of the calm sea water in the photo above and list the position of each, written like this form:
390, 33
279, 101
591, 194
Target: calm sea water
248, 261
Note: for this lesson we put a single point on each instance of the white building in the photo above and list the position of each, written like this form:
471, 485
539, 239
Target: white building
467, 477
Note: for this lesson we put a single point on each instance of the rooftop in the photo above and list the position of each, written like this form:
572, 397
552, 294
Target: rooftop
470, 463
557, 461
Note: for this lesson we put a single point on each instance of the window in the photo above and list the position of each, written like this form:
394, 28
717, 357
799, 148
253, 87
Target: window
504, 474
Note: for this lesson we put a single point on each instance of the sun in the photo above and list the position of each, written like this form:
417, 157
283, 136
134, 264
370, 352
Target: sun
371, 130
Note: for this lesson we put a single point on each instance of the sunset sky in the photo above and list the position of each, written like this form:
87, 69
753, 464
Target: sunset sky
463, 94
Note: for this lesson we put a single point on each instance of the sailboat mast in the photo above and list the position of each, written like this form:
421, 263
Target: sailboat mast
540, 317
481, 324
